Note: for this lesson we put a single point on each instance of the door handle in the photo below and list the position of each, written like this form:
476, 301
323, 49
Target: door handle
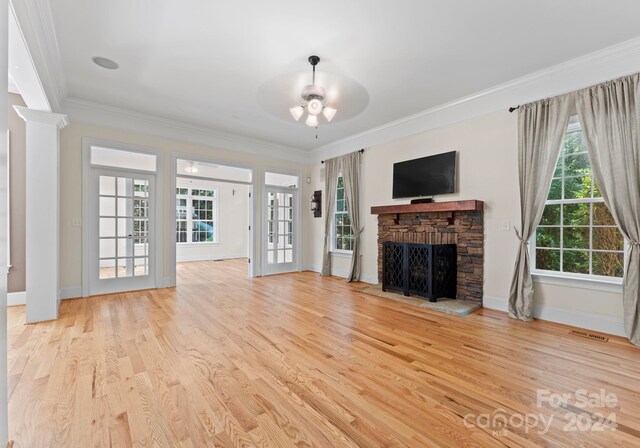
129, 236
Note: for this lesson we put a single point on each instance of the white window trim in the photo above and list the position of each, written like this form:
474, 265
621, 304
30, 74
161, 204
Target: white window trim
575, 280
189, 197
594, 282
341, 252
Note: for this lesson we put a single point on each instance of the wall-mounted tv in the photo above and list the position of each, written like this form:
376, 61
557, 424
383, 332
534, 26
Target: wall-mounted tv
426, 176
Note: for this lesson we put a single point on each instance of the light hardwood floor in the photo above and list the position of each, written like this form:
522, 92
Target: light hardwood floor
299, 361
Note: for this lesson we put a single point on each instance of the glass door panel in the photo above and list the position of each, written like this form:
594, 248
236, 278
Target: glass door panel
122, 253
281, 225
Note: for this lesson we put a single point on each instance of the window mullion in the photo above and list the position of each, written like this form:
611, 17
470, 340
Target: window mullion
591, 233
189, 216
562, 155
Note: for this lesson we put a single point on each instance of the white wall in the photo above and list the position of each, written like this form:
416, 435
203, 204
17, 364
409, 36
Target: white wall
233, 222
18, 136
487, 171
71, 189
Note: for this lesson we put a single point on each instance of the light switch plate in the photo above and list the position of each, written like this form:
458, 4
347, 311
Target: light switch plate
76, 222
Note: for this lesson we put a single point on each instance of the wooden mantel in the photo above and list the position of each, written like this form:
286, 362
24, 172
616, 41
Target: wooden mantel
435, 207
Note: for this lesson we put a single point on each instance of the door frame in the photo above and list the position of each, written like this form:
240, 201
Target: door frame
254, 214
158, 259
99, 286
297, 237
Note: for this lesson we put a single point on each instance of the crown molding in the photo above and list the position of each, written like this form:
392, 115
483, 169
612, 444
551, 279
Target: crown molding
98, 114
31, 115
609, 63
35, 21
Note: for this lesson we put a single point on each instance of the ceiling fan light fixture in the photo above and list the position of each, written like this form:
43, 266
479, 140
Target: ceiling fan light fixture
329, 113
314, 101
296, 112
315, 106
312, 120
191, 168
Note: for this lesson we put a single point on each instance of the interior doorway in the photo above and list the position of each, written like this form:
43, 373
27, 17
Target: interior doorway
122, 212
213, 216
123, 220
281, 231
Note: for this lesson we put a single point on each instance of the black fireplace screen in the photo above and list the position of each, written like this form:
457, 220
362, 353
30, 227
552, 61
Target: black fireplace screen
426, 270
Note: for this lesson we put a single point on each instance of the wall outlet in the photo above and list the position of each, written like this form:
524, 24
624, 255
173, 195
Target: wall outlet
76, 222
506, 225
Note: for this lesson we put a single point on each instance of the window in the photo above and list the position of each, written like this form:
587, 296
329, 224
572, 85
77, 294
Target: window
343, 235
577, 234
196, 215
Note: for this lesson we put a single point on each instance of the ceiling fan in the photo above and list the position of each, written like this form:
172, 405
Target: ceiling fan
314, 101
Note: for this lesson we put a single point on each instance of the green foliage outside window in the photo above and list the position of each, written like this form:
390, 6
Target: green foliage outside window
343, 237
577, 233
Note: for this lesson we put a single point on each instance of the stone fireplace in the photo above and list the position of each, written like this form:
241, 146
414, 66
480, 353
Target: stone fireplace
460, 223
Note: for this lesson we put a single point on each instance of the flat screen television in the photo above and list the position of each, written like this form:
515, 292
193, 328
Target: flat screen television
426, 176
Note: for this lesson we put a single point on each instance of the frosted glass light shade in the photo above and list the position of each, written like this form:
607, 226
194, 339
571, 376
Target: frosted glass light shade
315, 106
296, 112
312, 120
329, 113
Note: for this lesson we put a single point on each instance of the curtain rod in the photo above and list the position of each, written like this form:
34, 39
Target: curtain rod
361, 151
514, 108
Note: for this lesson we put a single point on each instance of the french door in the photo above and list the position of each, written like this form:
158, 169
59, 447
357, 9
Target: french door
122, 249
281, 230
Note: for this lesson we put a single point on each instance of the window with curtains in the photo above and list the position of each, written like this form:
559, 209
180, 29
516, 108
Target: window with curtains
342, 233
577, 235
196, 215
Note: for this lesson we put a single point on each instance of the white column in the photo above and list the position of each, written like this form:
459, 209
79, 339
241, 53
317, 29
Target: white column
4, 65
42, 212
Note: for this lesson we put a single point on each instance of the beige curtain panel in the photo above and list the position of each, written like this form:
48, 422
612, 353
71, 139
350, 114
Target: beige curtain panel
351, 179
610, 114
541, 128
331, 170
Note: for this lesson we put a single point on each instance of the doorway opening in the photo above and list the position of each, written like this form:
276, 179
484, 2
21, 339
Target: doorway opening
281, 223
122, 201
213, 217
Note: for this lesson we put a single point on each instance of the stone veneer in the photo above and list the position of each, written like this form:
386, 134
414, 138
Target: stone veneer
465, 229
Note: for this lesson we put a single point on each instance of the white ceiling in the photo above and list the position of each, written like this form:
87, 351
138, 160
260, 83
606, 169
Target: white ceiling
235, 66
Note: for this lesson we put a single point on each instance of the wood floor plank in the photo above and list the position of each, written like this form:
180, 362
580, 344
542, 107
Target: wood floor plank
299, 360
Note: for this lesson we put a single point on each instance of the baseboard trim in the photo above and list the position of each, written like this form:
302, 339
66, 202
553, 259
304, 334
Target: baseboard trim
595, 322
73, 292
17, 298
167, 283
369, 279
310, 267
20, 298
494, 303
372, 280
208, 257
